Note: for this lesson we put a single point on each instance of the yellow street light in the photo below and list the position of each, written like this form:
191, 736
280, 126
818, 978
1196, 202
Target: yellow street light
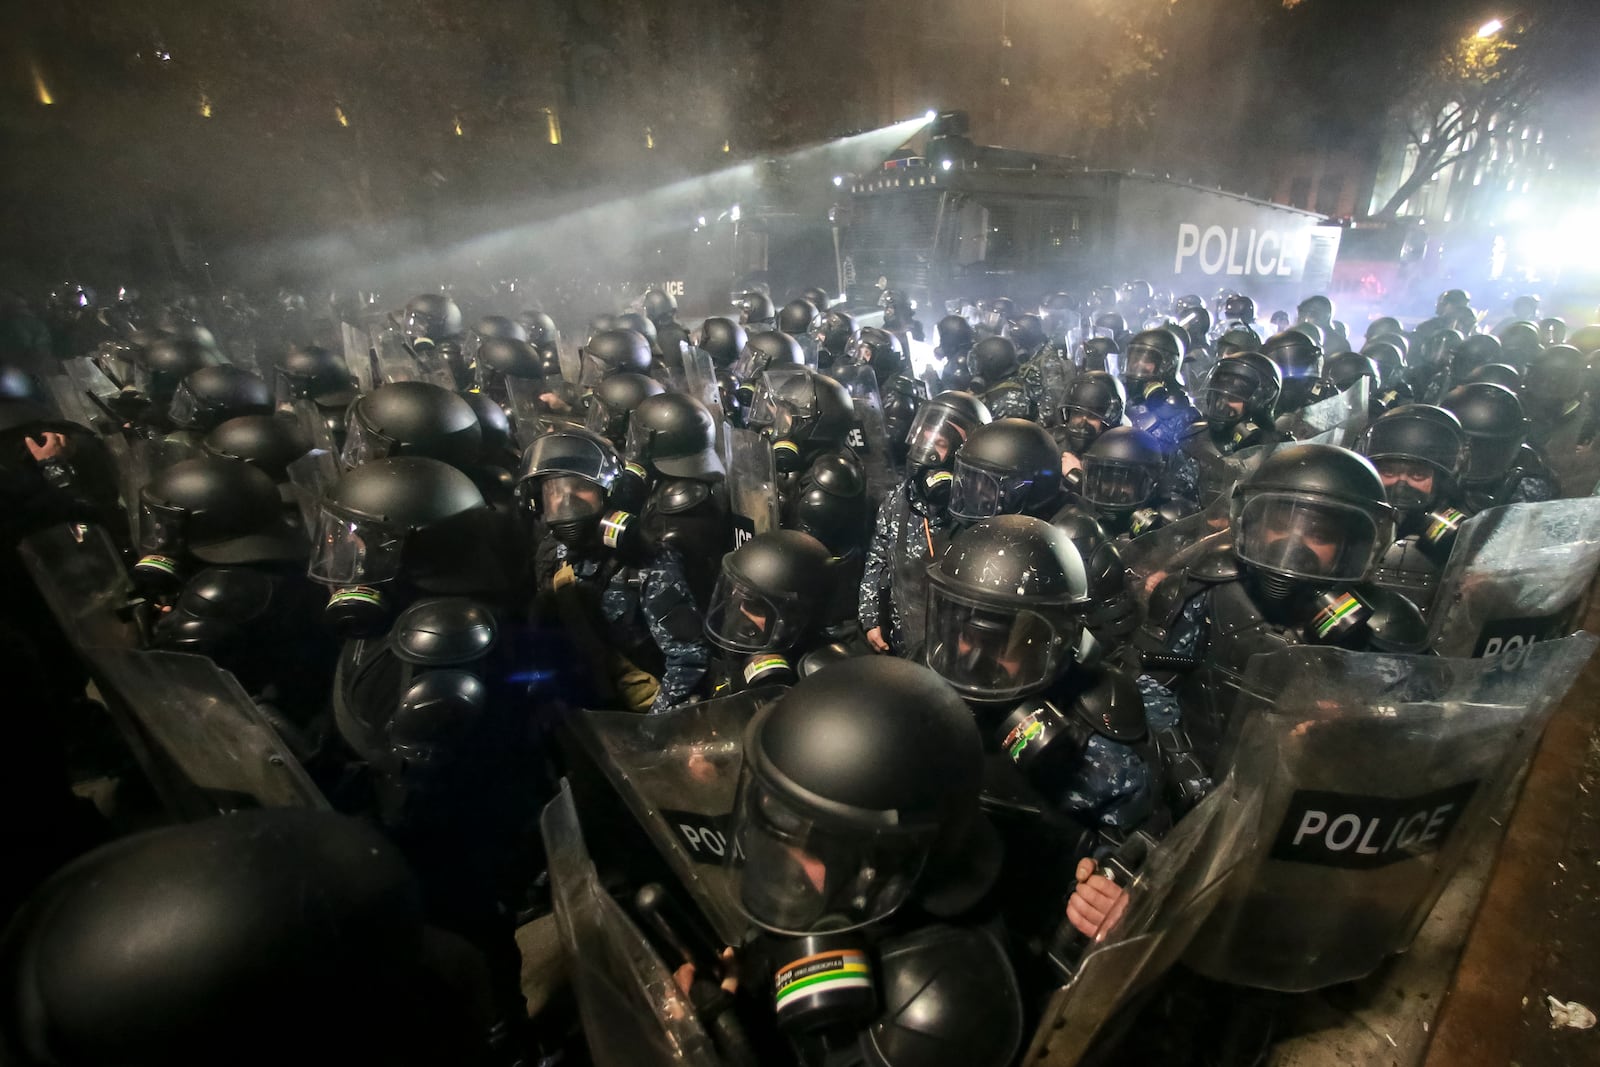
205, 106
40, 90
338, 113
1490, 28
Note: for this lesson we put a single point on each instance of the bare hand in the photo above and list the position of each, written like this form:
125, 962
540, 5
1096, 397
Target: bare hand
1070, 463
1097, 903
554, 402
875, 639
54, 445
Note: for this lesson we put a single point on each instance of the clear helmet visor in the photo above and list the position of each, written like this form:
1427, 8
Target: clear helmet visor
160, 529
977, 493
1490, 457
988, 652
1115, 485
741, 618
798, 875
935, 436
749, 366
593, 371
1307, 538
569, 498
185, 407
347, 550
362, 444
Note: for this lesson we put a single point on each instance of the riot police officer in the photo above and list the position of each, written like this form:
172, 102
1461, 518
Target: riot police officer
956, 338
1157, 402
1121, 484
267, 442
832, 335
212, 395
615, 351
822, 487
913, 525
1419, 452
1306, 528
315, 384
613, 402
1553, 392
768, 610
412, 419
1502, 467
763, 351
662, 310
1393, 390
1237, 432
546, 341
625, 597
1299, 359
431, 324
1095, 403
1007, 467
992, 360
1112, 613
901, 394
1318, 309
798, 318
756, 312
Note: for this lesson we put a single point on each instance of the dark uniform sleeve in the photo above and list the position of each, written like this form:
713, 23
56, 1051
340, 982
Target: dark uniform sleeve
878, 573
1533, 489
1111, 787
675, 625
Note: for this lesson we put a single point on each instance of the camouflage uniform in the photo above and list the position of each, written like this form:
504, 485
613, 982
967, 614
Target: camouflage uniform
907, 536
1163, 411
1110, 788
650, 615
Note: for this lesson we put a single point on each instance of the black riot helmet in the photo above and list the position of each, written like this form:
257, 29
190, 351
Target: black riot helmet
942, 426
1238, 339
430, 318
817, 297
565, 478
540, 327
263, 441
1010, 466
1187, 302
1005, 608
1242, 385
1111, 324
632, 320
1318, 335
797, 318
770, 594
881, 349
936, 980
955, 335
833, 331
614, 352
1390, 358
1111, 612
499, 327
1310, 515
1297, 354
1498, 374
1151, 356
1408, 445
1196, 324
1520, 343
1435, 348
850, 780
1317, 309
676, 436
1382, 325
1102, 353
164, 363
614, 400
765, 350
1553, 330
1474, 352
1553, 385
212, 395
993, 359
1136, 294
659, 306
161, 946
996, 312
494, 429
1495, 426
1096, 401
218, 511
1347, 368
1062, 313
1120, 470
392, 518
723, 338
1028, 332
810, 410
502, 359
1239, 308
315, 373
1451, 299
412, 419
755, 308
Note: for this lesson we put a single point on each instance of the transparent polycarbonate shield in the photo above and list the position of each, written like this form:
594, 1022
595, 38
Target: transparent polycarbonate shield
358, 355
678, 772
309, 416
633, 1013
923, 358
1338, 420
869, 438
752, 484
208, 743
82, 579
1174, 885
1219, 472
137, 462
1378, 774
1194, 369
570, 359
1150, 557
700, 382
310, 477
399, 362
1517, 574
87, 395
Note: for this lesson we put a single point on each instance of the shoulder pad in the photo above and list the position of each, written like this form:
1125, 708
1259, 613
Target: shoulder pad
826, 656
441, 631
1232, 610
1395, 624
231, 594
837, 474
1211, 559
1112, 705
203, 635
678, 495
1168, 598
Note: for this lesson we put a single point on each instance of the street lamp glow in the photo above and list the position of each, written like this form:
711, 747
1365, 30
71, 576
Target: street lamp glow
838, 179
734, 213
945, 164
929, 115
1490, 28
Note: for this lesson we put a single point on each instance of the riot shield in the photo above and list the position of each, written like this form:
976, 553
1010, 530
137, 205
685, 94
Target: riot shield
80, 575
206, 746
87, 395
358, 347
1152, 556
868, 438
570, 359
633, 1013
922, 358
310, 477
1334, 421
678, 773
1378, 773
140, 460
1174, 886
400, 362
752, 484
700, 382
1194, 369
1516, 575
309, 417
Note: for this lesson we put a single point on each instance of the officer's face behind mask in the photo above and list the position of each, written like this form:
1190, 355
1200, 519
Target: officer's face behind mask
570, 505
1226, 397
934, 437
1306, 538
800, 874
979, 493
1409, 483
989, 653
1116, 486
350, 550
741, 618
